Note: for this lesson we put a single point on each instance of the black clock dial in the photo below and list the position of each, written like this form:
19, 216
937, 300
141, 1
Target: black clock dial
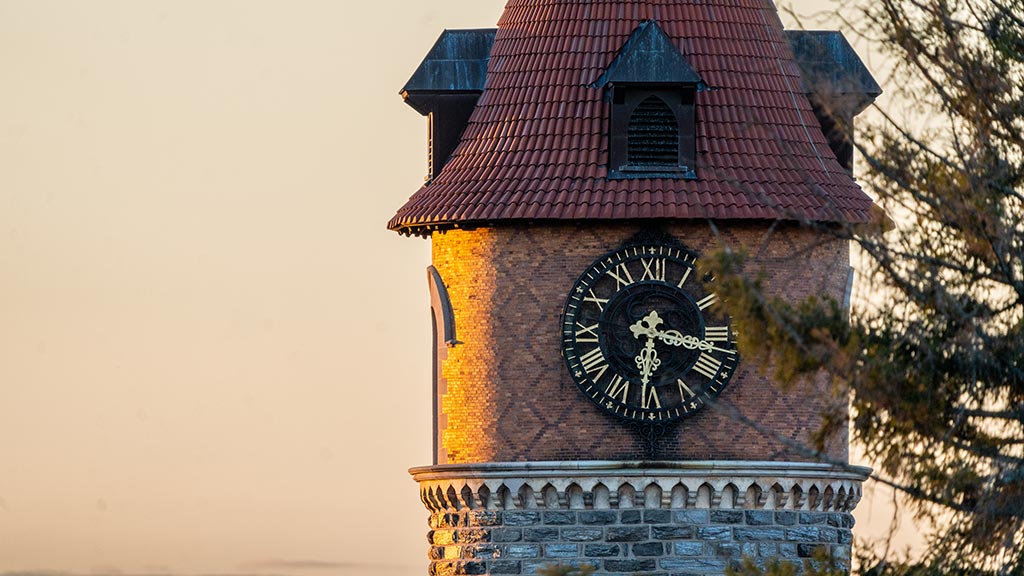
642, 337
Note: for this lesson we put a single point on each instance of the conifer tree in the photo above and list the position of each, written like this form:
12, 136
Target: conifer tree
933, 357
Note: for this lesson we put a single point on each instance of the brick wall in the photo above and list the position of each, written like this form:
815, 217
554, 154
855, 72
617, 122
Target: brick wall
509, 396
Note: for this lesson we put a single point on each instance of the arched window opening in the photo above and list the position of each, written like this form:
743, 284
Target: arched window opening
653, 135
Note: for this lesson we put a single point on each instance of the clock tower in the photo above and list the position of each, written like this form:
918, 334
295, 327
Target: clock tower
591, 405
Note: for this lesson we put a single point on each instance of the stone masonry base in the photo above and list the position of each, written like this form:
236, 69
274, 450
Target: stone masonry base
661, 519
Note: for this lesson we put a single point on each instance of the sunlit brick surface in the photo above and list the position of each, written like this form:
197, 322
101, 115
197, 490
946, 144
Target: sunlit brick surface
509, 396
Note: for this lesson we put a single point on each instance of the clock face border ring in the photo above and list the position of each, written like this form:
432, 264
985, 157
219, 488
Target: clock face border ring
653, 362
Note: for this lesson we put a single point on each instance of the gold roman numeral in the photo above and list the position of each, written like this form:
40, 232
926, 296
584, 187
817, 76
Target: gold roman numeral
651, 397
707, 301
586, 333
707, 365
599, 301
717, 333
618, 388
654, 269
594, 361
684, 390
621, 275
685, 276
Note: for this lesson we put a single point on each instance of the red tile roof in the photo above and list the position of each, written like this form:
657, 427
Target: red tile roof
536, 146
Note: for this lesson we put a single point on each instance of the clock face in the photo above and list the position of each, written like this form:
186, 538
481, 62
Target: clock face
642, 337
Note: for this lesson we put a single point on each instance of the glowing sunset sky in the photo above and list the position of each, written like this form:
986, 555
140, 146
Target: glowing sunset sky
213, 355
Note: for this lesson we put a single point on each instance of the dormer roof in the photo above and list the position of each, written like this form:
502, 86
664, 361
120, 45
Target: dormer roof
457, 63
649, 57
536, 147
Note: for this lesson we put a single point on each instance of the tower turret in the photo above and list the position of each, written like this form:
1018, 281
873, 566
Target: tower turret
591, 405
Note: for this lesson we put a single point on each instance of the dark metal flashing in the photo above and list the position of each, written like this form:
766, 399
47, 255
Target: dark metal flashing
831, 69
648, 57
457, 63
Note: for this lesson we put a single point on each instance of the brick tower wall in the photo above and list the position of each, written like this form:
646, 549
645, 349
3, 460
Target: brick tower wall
507, 395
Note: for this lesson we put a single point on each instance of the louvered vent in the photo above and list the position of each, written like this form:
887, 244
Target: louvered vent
653, 135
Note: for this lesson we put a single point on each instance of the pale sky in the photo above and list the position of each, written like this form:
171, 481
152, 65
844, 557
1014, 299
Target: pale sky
213, 355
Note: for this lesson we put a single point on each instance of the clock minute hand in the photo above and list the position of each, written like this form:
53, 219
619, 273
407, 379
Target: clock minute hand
674, 338
648, 326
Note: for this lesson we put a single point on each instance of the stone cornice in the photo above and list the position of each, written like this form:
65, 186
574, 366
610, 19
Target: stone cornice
640, 484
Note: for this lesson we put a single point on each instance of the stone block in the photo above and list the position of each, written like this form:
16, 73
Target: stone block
629, 517
806, 550
582, 534
785, 518
727, 516
628, 533
534, 566
441, 537
657, 516
731, 550
802, 534
759, 533
480, 552
828, 534
845, 537
629, 565
788, 551
601, 550
472, 536
561, 550
540, 534
506, 534
813, 518
522, 551
688, 549
505, 567
444, 520
483, 518
690, 516
521, 518
672, 532
442, 569
714, 533
435, 553
559, 518
694, 565
759, 517
597, 517
648, 549
471, 568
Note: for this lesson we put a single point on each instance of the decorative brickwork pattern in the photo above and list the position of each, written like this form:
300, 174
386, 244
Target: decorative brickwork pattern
693, 518
509, 396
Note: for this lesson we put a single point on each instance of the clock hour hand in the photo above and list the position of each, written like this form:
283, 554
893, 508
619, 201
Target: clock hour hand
648, 326
647, 361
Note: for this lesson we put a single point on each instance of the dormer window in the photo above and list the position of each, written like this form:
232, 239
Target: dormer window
652, 137
651, 88
652, 133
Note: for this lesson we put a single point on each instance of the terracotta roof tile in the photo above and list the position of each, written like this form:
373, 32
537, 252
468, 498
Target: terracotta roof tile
536, 146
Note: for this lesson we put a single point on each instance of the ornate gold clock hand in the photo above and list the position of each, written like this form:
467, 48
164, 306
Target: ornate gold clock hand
647, 360
648, 326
